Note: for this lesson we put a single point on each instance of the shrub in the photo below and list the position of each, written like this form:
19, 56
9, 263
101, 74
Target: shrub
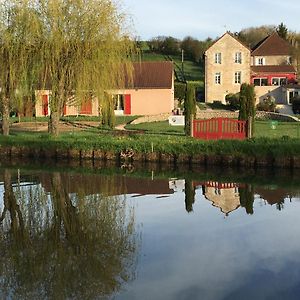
233, 100
179, 90
296, 104
268, 104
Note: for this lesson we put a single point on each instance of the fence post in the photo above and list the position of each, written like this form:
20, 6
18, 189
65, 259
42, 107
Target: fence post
249, 127
192, 126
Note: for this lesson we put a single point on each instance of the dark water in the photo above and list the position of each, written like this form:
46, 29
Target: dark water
144, 234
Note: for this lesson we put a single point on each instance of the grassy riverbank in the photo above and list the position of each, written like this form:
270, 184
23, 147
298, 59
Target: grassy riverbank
163, 143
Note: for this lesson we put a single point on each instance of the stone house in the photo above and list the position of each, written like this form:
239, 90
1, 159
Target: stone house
151, 92
268, 67
227, 66
272, 71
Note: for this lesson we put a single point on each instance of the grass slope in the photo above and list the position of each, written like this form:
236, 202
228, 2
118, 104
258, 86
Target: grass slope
192, 70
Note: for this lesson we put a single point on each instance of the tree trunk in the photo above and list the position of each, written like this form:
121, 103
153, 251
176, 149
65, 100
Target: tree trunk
53, 123
5, 116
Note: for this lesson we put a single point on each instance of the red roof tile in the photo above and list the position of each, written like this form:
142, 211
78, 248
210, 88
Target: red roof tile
272, 45
156, 75
273, 69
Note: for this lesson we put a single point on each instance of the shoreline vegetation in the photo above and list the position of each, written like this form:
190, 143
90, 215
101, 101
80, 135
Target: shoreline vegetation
132, 147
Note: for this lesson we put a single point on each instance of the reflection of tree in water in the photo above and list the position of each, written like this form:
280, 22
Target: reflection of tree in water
62, 246
247, 198
190, 193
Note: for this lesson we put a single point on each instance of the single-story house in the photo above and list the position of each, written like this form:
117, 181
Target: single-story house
151, 92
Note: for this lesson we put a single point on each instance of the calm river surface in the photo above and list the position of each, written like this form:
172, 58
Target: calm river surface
119, 233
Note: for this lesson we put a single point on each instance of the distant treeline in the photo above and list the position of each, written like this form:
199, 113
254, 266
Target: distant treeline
194, 49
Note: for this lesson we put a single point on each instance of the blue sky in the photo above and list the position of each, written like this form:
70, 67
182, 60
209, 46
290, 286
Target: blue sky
201, 19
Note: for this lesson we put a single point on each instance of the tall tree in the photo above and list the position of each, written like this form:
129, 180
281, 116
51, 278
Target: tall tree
253, 35
86, 51
19, 29
247, 103
282, 31
189, 108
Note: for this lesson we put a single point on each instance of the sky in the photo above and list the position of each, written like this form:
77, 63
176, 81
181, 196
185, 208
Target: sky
201, 19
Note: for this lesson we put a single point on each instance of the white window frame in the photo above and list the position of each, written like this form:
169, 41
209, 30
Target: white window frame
260, 61
238, 57
238, 77
260, 80
218, 58
279, 81
218, 77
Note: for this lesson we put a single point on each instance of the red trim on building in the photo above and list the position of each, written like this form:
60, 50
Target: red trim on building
127, 104
291, 78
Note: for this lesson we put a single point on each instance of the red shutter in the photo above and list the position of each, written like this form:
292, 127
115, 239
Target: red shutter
127, 104
45, 105
64, 110
86, 107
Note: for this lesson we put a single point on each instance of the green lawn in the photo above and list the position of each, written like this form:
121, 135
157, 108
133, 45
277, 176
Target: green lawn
265, 129
262, 129
157, 127
192, 70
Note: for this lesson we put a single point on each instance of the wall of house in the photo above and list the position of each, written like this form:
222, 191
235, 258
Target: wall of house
74, 110
273, 60
263, 92
69, 110
227, 46
39, 110
151, 101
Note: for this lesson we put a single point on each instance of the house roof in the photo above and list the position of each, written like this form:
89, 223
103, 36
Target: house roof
156, 75
273, 69
230, 34
272, 45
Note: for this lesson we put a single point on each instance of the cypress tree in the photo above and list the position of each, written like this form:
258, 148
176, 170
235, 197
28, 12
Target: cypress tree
247, 103
189, 108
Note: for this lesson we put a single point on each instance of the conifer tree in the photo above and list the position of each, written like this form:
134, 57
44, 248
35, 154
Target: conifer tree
189, 108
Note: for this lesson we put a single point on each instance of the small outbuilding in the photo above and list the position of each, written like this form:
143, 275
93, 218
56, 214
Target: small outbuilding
150, 92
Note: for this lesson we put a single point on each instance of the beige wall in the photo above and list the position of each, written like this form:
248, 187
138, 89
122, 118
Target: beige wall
151, 102
39, 103
71, 110
227, 46
143, 102
262, 92
274, 60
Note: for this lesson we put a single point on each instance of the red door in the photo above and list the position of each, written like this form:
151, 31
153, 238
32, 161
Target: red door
45, 105
127, 104
86, 107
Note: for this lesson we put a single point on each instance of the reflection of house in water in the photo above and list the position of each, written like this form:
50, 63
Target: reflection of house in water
91, 184
222, 195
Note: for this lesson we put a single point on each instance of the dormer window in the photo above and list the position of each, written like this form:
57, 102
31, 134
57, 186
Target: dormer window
260, 61
238, 58
218, 58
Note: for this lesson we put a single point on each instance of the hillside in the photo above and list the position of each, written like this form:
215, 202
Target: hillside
192, 70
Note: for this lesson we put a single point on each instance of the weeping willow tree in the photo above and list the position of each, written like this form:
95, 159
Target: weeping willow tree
19, 32
86, 51
60, 245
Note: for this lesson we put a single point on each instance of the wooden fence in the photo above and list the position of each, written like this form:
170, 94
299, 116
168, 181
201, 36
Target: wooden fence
219, 128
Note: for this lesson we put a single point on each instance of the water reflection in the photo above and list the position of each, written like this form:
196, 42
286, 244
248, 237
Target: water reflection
78, 235
60, 245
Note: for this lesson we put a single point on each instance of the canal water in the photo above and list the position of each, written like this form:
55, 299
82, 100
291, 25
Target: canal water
148, 233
